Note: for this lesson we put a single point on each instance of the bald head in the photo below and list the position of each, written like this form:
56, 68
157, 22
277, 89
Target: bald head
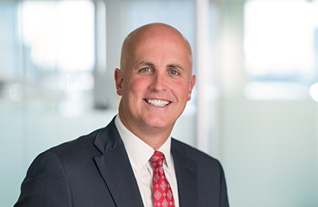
159, 32
155, 81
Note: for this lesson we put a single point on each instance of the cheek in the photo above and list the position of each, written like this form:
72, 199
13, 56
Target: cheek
134, 87
137, 85
184, 91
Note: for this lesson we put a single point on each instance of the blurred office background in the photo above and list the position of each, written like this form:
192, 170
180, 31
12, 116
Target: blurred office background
254, 106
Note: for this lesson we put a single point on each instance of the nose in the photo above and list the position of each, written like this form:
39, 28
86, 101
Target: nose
158, 82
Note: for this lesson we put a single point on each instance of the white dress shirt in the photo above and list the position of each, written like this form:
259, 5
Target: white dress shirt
139, 154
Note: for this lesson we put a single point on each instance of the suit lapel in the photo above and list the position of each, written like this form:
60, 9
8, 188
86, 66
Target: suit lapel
115, 168
186, 177
118, 175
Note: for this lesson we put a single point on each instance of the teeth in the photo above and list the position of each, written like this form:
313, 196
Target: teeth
157, 102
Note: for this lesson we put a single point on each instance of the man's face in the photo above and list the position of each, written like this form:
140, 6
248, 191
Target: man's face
155, 83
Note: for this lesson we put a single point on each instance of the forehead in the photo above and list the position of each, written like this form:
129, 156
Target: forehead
155, 43
158, 47
165, 36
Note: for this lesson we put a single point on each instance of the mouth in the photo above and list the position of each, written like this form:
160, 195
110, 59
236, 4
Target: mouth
156, 102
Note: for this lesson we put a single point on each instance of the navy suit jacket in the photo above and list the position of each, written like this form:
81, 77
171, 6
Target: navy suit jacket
94, 171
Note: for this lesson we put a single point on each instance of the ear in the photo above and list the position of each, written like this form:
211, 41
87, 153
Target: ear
119, 81
191, 85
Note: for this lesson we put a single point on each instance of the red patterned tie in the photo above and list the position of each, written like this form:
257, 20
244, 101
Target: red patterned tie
162, 193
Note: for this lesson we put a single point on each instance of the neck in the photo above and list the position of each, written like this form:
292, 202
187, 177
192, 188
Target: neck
154, 137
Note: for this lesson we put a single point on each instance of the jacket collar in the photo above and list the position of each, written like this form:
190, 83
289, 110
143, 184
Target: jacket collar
186, 173
115, 168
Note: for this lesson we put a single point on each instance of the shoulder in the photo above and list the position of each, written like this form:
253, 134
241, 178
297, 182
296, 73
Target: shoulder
76, 146
67, 153
94, 143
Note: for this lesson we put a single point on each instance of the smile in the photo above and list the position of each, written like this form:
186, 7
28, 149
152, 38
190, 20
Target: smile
156, 102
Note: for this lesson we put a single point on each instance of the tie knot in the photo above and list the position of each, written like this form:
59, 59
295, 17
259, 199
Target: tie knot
157, 159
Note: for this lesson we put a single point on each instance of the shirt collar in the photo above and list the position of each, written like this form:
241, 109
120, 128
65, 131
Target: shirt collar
138, 151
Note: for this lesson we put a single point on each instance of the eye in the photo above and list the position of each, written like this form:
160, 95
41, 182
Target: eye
146, 69
174, 72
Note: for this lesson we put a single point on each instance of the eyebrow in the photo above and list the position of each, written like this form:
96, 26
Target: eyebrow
143, 63
176, 66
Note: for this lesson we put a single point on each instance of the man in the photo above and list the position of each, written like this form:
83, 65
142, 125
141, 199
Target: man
115, 166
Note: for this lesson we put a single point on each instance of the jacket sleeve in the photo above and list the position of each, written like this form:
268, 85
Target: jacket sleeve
45, 184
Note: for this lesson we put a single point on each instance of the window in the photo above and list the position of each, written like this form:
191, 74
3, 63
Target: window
281, 48
59, 34
47, 52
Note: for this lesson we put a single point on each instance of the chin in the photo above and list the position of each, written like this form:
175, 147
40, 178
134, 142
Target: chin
159, 123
